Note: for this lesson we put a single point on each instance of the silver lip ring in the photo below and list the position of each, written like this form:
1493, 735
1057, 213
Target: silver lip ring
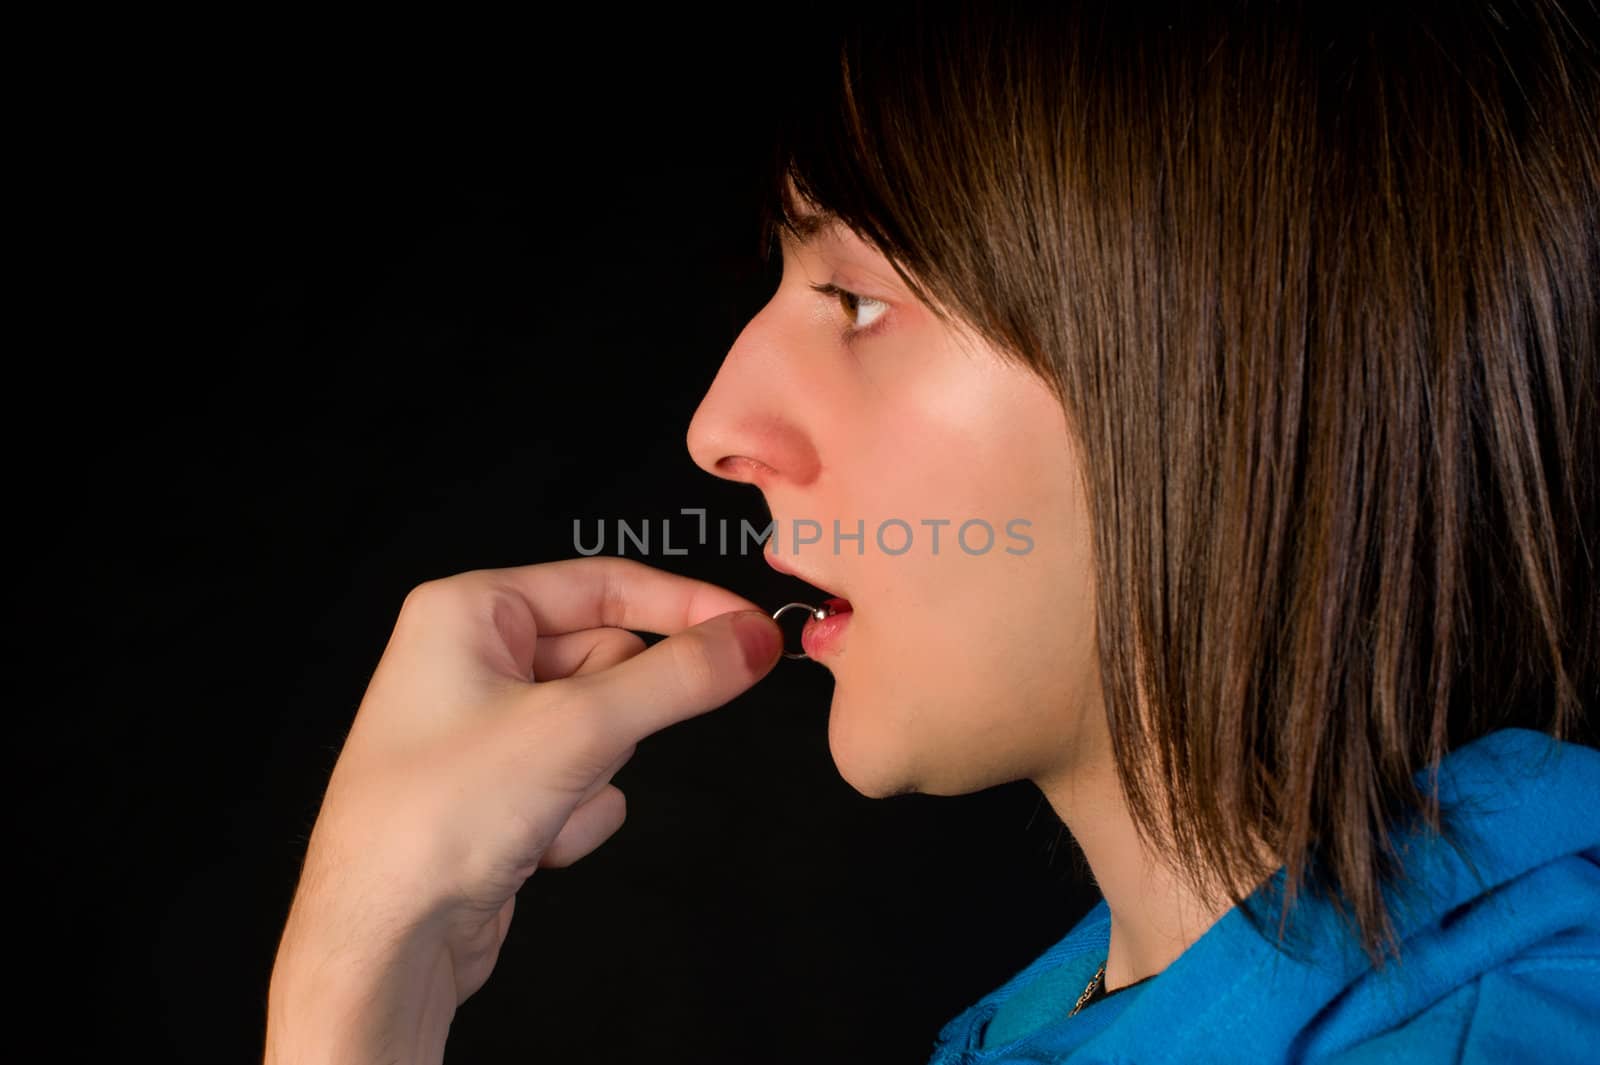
818, 612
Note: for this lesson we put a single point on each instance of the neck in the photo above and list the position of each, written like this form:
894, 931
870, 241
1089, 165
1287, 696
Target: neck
1154, 917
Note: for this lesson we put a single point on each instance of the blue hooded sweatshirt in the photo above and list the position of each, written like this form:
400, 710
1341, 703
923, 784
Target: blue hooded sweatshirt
1500, 965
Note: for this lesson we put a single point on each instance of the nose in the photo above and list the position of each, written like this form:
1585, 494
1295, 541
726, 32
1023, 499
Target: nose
751, 424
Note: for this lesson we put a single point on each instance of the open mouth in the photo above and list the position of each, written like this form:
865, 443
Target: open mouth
823, 635
836, 605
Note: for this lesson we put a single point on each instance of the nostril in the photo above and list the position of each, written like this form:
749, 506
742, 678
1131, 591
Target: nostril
743, 468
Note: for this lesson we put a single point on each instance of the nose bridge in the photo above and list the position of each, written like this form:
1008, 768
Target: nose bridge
746, 426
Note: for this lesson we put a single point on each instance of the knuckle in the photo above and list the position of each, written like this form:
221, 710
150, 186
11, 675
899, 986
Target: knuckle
427, 596
613, 596
696, 663
422, 600
442, 593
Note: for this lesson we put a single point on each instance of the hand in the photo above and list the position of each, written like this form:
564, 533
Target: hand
482, 751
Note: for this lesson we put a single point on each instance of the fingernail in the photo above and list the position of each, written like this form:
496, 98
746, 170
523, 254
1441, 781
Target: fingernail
760, 637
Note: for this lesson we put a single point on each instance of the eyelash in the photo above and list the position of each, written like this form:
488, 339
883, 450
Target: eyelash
845, 297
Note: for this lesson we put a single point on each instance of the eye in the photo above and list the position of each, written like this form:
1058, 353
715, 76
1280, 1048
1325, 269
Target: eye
856, 307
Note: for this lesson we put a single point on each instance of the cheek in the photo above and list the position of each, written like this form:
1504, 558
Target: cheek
963, 671
963, 677
961, 436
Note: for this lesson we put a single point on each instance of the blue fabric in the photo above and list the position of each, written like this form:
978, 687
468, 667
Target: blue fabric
1501, 966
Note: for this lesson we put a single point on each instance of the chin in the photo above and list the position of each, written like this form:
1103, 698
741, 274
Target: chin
882, 763
869, 762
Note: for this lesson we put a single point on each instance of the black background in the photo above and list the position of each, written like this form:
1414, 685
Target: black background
337, 318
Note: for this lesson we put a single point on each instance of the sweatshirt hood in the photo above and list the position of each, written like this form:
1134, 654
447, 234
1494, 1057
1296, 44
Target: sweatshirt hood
1521, 877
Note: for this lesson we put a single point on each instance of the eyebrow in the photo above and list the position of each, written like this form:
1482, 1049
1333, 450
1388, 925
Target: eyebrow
811, 226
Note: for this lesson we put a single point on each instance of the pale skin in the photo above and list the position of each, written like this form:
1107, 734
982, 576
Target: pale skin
483, 751
958, 671
506, 699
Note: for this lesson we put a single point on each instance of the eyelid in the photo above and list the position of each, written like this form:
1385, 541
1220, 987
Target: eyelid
852, 332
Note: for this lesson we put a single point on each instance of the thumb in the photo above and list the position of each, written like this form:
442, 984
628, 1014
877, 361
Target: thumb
688, 673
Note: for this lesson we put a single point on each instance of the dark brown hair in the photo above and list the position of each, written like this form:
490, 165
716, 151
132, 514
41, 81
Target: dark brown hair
1316, 285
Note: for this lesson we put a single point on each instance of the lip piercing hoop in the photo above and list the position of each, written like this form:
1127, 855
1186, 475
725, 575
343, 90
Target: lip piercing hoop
818, 612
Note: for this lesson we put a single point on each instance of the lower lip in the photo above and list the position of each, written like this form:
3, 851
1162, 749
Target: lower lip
820, 636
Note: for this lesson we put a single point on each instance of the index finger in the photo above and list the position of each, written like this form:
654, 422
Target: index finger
573, 594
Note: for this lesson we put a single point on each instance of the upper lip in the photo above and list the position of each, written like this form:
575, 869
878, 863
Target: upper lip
784, 567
